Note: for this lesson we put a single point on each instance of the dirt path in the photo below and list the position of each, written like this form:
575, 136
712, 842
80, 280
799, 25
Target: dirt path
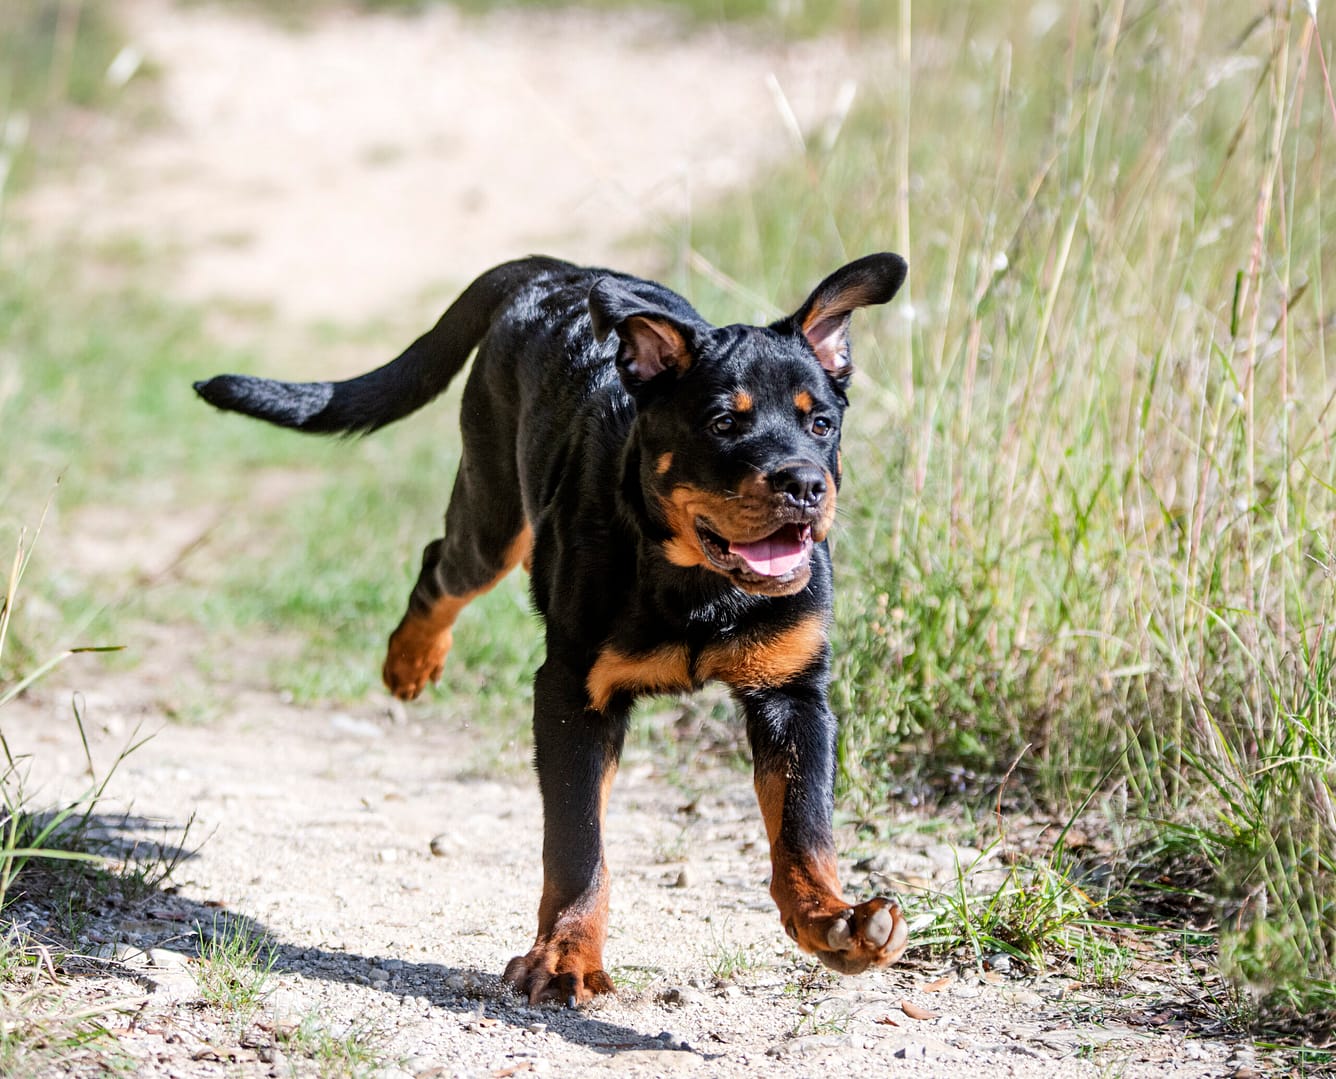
334, 174
342, 170
318, 830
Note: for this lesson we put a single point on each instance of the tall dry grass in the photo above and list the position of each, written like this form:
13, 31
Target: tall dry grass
1092, 465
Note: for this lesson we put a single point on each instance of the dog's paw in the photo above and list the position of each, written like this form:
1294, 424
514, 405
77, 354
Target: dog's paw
414, 659
871, 934
552, 973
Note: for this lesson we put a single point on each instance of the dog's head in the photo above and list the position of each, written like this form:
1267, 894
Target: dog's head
738, 427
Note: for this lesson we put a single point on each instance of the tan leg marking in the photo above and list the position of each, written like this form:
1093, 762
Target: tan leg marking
806, 888
420, 642
566, 960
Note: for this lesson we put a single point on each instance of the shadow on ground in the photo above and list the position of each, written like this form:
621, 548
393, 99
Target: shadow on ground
125, 920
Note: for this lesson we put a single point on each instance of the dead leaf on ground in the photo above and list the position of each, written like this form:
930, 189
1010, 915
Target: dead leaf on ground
937, 986
914, 1011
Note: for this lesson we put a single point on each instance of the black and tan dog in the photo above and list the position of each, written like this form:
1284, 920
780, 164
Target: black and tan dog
670, 484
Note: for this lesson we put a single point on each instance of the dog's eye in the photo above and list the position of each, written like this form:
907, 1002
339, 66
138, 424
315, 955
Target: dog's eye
821, 427
723, 425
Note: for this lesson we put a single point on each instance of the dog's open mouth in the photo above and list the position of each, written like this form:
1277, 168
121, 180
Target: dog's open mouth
780, 556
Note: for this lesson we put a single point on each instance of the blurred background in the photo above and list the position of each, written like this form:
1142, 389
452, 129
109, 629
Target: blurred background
1086, 536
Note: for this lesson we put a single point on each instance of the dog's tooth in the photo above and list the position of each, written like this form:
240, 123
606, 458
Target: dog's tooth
839, 934
879, 926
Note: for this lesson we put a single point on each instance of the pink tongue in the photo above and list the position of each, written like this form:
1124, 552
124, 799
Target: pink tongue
773, 556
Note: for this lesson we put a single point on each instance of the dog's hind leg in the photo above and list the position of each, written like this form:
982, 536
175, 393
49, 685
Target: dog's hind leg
486, 536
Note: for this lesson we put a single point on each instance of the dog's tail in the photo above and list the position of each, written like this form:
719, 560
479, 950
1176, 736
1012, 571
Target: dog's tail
389, 393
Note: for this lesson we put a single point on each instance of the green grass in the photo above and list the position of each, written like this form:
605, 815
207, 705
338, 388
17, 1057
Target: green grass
346, 559
54, 53
106, 406
1090, 482
1039, 914
352, 1054
781, 16
233, 969
727, 959
42, 1029
50, 856
55, 56
804, 17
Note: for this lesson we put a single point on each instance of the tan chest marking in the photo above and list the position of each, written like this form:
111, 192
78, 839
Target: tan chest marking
746, 663
664, 670
771, 661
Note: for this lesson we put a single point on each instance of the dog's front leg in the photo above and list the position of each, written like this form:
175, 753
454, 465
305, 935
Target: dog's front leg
576, 750
793, 735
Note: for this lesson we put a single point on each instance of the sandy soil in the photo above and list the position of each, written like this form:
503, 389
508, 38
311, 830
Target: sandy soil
394, 881
337, 171
332, 174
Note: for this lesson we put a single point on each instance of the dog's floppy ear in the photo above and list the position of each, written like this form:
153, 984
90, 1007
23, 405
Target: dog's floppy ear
653, 341
824, 317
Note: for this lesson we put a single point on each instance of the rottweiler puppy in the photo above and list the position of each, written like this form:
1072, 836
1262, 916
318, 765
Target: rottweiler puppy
670, 485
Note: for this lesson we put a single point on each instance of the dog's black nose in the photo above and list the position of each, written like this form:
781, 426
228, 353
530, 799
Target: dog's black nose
803, 484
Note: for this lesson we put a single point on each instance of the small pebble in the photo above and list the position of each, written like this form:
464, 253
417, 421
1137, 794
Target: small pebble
166, 959
440, 845
130, 955
681, 995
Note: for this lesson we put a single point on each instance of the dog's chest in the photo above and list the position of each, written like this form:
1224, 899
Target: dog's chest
756, 659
